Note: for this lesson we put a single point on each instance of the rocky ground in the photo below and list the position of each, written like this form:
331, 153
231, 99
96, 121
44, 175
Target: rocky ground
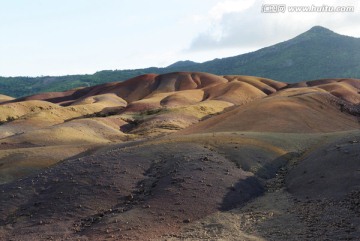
192, 188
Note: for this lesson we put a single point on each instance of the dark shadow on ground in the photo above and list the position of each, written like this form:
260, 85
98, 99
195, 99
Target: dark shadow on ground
252, 187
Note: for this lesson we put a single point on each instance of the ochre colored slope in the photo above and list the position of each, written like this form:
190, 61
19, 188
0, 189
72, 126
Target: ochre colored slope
145, 86
309, 112
4, 98
346, 89
314, 106
153, 105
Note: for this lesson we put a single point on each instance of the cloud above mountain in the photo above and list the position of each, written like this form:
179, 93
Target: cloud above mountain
241, 23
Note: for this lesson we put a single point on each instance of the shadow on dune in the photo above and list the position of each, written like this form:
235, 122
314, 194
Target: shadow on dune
253, 186
242, 192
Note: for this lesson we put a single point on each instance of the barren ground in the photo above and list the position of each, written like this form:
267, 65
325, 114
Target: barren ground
183, 156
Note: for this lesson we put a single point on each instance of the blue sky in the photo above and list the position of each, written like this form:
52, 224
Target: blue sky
48, 37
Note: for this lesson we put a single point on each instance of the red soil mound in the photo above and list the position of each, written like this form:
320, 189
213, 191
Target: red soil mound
145, 86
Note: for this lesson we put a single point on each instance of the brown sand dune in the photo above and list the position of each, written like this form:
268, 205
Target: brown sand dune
346, 89
343, 91
145, 86
250, 159
105, 99
170, 99
36, 148
243, 89
183, 98
268, 86
19, 117
136, 88
153, 105
82, 131
48, 126
234, 92
157, 121
153, 101
17, 109
5, 98
56, 97
310, 111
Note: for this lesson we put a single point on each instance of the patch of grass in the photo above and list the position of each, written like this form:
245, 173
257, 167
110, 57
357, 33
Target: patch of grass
152, 111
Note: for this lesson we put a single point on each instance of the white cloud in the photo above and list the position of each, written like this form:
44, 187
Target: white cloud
229, 6
241, 24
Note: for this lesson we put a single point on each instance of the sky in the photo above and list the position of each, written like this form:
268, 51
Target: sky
52, 37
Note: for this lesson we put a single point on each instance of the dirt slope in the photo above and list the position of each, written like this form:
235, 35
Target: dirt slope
183, 156
4, 98
290, 110
161, 187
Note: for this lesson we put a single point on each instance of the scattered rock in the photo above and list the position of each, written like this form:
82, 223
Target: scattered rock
186, 220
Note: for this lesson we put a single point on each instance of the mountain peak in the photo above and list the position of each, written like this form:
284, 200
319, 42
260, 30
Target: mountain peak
319, 31
316, 32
